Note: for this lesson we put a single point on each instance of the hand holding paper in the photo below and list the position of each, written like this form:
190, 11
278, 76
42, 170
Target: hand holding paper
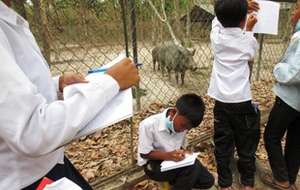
267, 17
252, 20
70, 78
253, 6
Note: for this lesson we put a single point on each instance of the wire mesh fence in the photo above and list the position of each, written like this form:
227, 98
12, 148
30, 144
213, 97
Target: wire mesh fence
77, 35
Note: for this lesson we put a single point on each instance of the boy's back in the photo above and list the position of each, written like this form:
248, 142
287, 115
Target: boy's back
236, 120
232, 48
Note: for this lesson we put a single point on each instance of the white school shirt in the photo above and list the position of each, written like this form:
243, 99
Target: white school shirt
33, 123
154, 135
287, 74
232, 49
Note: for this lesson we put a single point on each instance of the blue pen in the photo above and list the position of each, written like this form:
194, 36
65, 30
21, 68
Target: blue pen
97, 70
103, 70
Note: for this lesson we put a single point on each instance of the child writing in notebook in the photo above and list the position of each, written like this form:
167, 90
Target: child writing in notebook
236, 120
162, 136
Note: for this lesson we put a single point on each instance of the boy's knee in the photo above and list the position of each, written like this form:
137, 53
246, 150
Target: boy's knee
208, 178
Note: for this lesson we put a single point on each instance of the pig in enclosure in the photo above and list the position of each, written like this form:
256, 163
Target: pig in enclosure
172, 57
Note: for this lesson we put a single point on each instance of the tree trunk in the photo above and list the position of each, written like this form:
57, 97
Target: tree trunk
42, 25
164, 19
20, 7
188, 24
178, 31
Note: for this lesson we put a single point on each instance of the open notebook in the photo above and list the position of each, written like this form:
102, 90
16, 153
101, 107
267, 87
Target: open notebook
118, 109
187, 161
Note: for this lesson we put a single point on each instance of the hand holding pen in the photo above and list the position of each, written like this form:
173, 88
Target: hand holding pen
125, 73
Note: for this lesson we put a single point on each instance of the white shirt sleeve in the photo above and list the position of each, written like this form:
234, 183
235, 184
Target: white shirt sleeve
33, 127
216, 25
253, 44
56, 82
288, 70
145, 138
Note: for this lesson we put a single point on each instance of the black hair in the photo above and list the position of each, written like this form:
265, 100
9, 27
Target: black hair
192, 107
231, 13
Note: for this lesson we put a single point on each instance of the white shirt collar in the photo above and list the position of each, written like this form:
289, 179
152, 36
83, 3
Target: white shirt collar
231, 31
10, 16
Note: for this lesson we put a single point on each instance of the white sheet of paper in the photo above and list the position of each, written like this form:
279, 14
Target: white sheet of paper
63, 184
118, 109
267, 17
187, 161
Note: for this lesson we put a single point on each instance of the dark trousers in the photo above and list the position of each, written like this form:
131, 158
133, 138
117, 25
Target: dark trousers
186, 178
282, 119
64, 170
236, 125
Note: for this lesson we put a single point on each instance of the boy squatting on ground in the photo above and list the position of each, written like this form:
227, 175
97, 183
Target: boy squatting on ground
162, 136
285, 116
236, 119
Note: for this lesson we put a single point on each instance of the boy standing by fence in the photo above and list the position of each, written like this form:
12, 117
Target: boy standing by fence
236, 120
161, 137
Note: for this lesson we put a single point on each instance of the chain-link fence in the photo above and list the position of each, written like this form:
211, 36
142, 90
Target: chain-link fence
76, 35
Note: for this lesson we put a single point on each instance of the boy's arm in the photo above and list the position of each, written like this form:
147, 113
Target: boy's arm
253, 45
175, 155
253, 6
288, 70
251, 21
216, 23
147, 150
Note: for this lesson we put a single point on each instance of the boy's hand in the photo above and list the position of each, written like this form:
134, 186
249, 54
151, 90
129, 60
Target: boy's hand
176, 155
253, 6
69, 78
188, 152
125, 73
252, 20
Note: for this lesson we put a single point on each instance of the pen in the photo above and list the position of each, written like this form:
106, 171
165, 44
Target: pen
103, 70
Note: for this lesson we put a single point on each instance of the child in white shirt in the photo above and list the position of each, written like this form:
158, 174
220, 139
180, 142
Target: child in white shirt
236, 120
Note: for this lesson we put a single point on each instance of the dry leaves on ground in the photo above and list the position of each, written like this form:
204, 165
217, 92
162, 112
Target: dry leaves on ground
108, 151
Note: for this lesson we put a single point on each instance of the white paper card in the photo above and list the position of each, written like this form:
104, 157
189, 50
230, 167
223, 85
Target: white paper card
118, 109
187, 161
267, 18
62, 184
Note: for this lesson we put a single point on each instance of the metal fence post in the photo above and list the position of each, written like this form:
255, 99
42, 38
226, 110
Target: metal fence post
134, 46
261, 41
124, 20
135, 58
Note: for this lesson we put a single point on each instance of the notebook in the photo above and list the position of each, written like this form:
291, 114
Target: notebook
187, 161
118, 109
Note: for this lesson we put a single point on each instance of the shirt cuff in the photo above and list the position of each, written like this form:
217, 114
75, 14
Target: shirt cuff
56, 82
114, 83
